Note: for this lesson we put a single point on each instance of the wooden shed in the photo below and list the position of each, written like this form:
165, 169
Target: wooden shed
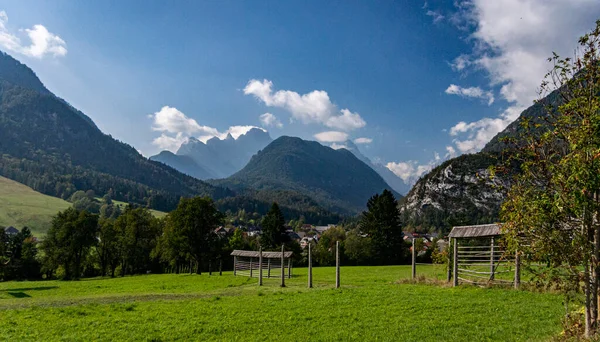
249, 263
478, 258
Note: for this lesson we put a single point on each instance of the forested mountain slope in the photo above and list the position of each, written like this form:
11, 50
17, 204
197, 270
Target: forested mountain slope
335, 179
48, 145
460, 191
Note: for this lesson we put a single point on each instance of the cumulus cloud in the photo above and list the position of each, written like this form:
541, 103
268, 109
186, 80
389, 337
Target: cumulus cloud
170, 143
409, 171
177, 128
312, 107
337, 146
474, 92
269, 119
511, 41
331, 137
363, 140
42, 41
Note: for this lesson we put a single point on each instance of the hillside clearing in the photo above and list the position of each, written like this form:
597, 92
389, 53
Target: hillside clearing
371, 305
22, 206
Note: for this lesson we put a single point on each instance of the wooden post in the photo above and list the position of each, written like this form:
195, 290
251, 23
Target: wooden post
234, 264
449, 275
220, 266
414, 259
455, 264
209, 267
268, 268
250, 267
517, 270
492, 271
260, 267
309, 267
282, 266
337, 264
290, 268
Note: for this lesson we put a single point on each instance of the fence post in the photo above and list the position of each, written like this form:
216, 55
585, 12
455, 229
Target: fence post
234, 264
209, 267
337, 264
517, 269
220, 266
268, 268
309, 267
260, 282
282, 266
414, 259
492, 271
250, 267
455, 263
449, 273
290, 268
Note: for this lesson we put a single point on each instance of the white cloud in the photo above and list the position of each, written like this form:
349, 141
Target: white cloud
181, 127
511, 41
312, 107
363, 140
337, 146
170, 143
474, 92
170, 119
331, 137
460, 63
409, 171
346, 122
450, 152
269, 119
436, 15
43, 42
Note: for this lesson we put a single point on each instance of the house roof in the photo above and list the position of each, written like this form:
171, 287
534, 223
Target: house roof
482, 230
255, 254
11, 230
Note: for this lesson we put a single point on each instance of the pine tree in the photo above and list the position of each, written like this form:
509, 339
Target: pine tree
273, 228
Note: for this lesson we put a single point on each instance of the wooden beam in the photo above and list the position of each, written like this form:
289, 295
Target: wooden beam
310, 284
449, 271
337, 264
414, 259
517, 269
455, 263
492, 269
234, 264
282, 266
260, 273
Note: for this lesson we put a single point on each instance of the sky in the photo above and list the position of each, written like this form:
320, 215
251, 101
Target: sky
412, 83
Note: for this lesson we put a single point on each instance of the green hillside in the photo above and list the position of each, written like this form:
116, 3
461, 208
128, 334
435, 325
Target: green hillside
22, 206
334, 179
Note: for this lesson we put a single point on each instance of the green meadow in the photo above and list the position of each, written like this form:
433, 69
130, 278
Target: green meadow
22, 206
373, 303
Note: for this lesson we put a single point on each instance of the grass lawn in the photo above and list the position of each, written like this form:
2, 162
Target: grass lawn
371, 305
22, 206
122, 205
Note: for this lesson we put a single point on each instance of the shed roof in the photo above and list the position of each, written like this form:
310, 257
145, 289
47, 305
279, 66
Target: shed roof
481, 230
267, 255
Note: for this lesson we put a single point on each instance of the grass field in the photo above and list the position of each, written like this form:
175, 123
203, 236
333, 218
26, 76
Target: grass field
156, 213
371, 305
22, 206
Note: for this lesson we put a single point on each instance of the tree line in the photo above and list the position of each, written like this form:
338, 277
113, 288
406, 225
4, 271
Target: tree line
100, 239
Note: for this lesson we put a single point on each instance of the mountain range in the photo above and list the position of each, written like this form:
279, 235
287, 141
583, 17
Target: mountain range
50, 146
461, 191
217, 158
336, 179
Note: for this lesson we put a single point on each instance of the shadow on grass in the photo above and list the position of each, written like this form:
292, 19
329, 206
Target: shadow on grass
39, 288
19, 294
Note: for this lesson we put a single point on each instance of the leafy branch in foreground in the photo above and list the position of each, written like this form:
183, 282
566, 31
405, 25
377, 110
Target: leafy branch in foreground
552, 211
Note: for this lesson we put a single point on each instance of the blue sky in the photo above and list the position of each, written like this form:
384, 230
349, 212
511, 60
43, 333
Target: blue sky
421, 81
